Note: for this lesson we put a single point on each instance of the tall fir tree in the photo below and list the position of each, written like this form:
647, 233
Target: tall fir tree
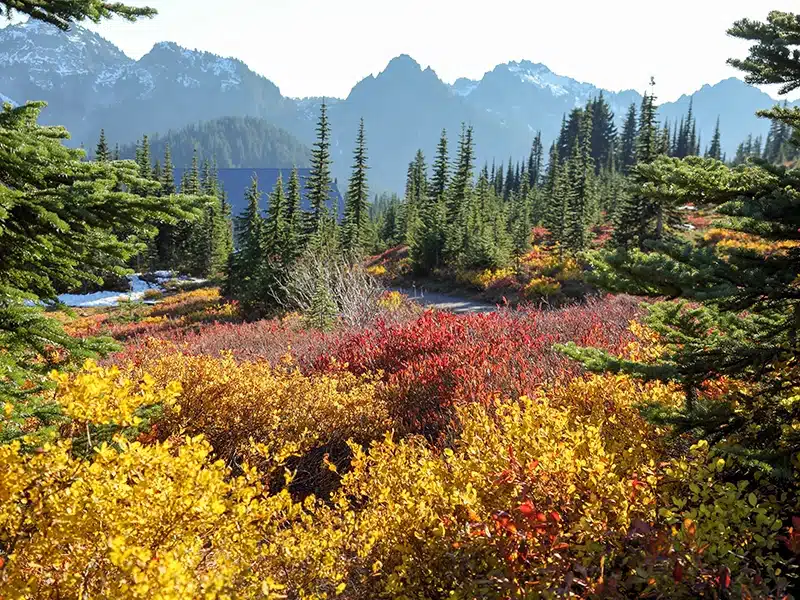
356, 214
294, 219
633, 216
460, 194
535, 162
245, 277
102, 153
319, 179
441, 169
627, 151
604, 133
715, 149
581, 198
275, 226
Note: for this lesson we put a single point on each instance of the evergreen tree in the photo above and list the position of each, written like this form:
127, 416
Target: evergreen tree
102, 153
580, 198
191, 185
555, 211
319, 180
459, 194
634, 215
64, 222
275, 226
294, 223
145, 160
63, 13
116, 152
441, 169
509, 186
247, 266
356, 215
627, 157
535, 161
715, 149
739, 317
604, 132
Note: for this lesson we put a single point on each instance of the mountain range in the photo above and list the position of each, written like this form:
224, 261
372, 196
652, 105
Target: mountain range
91, 84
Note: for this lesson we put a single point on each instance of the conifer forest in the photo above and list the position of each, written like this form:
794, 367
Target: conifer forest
571, 373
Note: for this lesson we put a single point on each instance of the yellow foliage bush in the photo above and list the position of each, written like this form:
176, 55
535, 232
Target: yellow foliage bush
391, 301
535, 494
486, 278
541, 287
377, 270
278, 408
158, 521
105, 395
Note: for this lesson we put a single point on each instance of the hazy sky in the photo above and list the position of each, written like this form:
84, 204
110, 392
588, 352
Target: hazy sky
324, 47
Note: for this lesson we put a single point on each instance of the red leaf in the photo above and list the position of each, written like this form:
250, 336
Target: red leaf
725, 578
527, 509
677, 572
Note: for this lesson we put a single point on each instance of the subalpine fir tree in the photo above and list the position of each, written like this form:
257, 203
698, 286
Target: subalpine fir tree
166, 242
569, 133
664, 146
535, 162
102, 153
555, 210
356, 212
740, 317
294, 219
580, 198
319, 179
145, 160
426, 242
509, 181
634, 216
627, 151
459, 194
604, 132
715, 149
116, 152
245, 277
275, 226
519, 223
499, 182
168, 173
441, 169
192, 185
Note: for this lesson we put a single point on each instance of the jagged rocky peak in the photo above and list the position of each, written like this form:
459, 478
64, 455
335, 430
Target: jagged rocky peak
36, 45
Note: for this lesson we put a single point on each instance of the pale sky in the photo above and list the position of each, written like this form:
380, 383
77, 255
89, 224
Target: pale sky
324, 47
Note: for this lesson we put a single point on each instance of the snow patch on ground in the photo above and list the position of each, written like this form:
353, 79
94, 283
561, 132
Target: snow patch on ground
138, 287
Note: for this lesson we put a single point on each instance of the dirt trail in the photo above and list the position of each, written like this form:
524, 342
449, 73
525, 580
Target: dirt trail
446, 302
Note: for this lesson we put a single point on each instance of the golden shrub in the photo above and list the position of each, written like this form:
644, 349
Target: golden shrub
541, 287
282, 410
105, 395
377, 270
137, 521
392, 301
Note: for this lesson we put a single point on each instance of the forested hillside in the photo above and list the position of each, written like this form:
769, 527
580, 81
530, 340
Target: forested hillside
229, 142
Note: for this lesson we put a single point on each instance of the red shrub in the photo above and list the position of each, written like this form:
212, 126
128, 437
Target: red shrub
440, 359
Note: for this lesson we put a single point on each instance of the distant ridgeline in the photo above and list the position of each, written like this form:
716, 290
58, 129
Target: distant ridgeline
235, 183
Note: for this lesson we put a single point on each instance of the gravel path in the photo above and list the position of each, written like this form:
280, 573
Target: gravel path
446, 302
